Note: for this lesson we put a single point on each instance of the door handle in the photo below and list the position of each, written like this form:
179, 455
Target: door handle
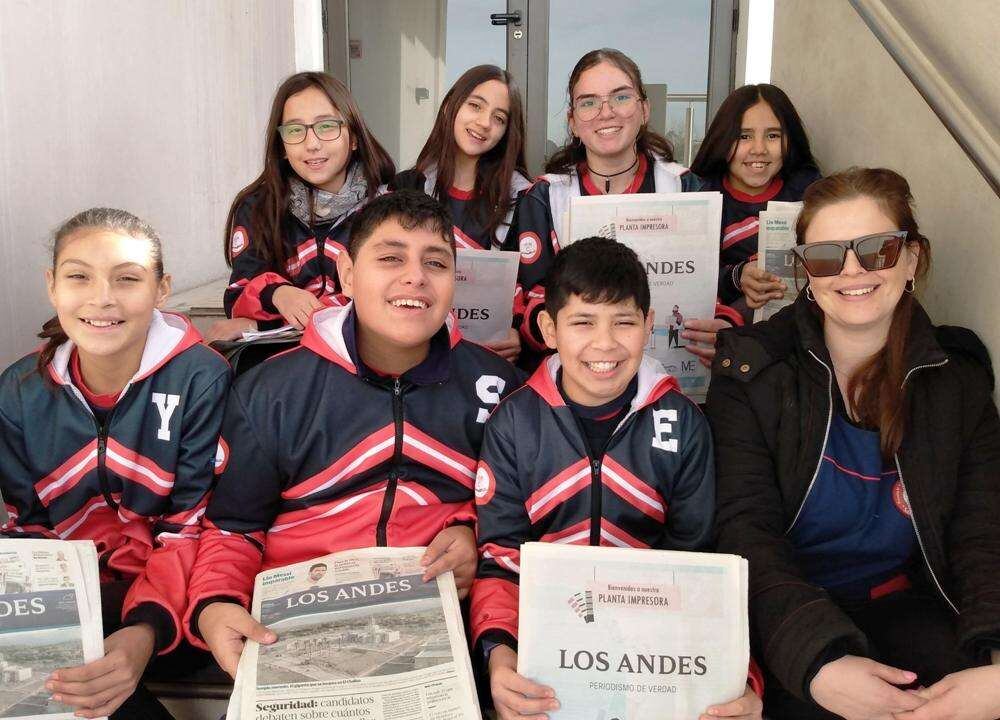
505, 18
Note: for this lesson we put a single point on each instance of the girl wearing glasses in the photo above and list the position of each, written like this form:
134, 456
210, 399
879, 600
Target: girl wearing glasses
474, 162
286, 228
754, 151
612, 150
109, 433
858, 453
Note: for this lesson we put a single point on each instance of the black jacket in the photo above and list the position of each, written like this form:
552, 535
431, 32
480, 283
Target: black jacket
770, 405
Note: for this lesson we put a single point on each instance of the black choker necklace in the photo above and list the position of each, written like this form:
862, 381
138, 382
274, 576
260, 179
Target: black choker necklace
607, 178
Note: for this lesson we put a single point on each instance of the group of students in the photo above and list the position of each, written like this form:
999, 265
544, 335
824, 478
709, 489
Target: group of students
849, 448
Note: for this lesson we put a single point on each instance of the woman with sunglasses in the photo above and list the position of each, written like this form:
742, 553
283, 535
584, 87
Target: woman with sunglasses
611, 151
286, 228
858, 460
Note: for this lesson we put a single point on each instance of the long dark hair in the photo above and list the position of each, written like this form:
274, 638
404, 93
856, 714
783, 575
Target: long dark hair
875, 392
110, 219
647, 142
494, 169
720, 140
272, 184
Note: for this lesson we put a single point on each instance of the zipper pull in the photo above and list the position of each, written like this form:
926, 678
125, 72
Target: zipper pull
396, 387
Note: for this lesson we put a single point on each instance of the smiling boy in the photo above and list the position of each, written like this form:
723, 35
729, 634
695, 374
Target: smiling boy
367, 434
592, 451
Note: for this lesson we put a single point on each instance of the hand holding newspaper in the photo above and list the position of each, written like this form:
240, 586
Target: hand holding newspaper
360, 635
50, 618
676, 236
633, 634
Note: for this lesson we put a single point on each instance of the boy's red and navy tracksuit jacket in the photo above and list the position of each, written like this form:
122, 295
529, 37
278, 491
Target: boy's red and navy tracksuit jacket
325, 454
535, 228
312, 264
135, 483
654, 486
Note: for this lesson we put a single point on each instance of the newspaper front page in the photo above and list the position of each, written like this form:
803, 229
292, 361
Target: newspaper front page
676, 236
775, 240
360, 635
50, 618
633, 634
484, 293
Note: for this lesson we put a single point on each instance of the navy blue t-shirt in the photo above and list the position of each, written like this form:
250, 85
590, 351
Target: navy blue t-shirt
854, 532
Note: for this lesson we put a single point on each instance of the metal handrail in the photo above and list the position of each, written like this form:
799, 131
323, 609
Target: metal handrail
954, 113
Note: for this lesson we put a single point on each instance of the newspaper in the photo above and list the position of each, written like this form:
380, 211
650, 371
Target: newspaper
484, 293
633, 634
50, 618
775, 240
359, 636
676, 235
285, 332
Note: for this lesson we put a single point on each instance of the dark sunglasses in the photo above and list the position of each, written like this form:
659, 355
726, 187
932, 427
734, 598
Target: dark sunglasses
874, 252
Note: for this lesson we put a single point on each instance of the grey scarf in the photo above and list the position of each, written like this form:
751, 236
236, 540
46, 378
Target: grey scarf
327, 206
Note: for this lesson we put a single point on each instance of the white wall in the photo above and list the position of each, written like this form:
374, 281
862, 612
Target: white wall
402, 47
860, 109
155, 107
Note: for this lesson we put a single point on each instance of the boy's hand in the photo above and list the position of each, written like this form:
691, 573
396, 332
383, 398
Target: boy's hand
857, 688
748, 707
703, 332
515, 696
230, 329
295, 305
224, 625
508, 348
101, 686
759, 286
454, 548
972, 694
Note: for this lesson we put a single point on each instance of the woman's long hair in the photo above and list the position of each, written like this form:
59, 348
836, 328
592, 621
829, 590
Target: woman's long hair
271, 186
720, 140
492, 192
875, 392
112, 220
648, 142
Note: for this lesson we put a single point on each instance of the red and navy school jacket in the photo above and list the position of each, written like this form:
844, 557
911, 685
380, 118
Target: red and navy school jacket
537, 222
654, 486
137, 483
324, 454
468, 232
740, 220
312, 264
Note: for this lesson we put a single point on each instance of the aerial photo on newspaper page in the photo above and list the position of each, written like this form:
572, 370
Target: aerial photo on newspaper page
360, 635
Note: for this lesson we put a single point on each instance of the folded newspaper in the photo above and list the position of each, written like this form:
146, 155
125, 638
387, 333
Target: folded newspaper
775, 240
676, 236
633, 634
50, 618
484, 293
360, 635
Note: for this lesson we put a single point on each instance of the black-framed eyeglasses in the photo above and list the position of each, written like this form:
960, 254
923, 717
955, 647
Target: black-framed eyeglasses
622, 103
879, 251
294, 133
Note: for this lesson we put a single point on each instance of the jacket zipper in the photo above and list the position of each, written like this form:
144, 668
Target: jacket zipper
596, 490
596, 484
390, 489
913, 515
826, 436
102, 451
